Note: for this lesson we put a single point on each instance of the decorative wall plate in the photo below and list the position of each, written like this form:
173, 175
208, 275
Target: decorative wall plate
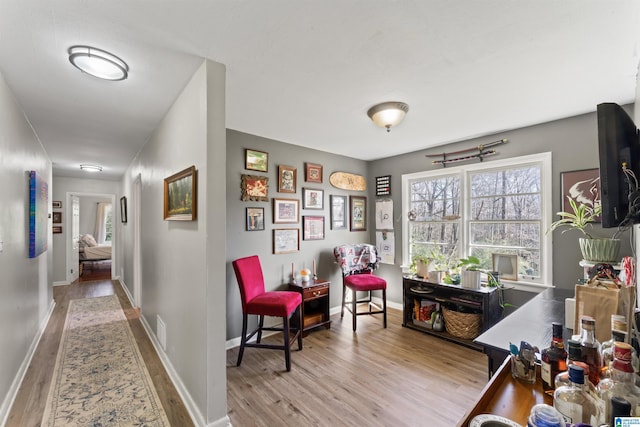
348, 181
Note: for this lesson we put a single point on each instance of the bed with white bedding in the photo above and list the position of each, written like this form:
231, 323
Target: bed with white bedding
90, 251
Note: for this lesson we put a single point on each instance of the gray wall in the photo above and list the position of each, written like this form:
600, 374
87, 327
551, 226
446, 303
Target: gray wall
183, 262
241, 243
574, 145
26, 282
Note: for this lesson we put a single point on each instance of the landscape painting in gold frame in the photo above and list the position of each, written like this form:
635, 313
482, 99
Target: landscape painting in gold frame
180, 196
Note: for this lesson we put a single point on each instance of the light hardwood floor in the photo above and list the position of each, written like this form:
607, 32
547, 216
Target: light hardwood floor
29, 405
375, 377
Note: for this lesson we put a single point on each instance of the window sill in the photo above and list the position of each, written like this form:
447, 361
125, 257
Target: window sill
527, 286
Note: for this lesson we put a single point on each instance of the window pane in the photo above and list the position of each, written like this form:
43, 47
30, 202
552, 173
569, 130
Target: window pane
505, 234
436, 199
516, 207
528, 259
518, 180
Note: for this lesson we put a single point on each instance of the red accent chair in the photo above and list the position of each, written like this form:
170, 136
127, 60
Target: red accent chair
260, 303
357, 263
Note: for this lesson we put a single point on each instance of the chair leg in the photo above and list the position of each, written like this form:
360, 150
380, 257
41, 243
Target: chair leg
243, 339
354, 306
260, 326
287, 350
344, 291
384, 306
300, 327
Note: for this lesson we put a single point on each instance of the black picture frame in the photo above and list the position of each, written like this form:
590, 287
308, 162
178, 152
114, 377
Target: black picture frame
255, 219
123, 209
338, 212
358, 208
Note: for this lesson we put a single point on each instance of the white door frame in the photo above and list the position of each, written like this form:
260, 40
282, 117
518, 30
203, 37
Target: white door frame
137, 252
69, 243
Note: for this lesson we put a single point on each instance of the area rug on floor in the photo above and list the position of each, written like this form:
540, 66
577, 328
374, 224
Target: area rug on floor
100, 378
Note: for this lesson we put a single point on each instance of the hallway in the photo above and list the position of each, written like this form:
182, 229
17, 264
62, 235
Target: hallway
28, 407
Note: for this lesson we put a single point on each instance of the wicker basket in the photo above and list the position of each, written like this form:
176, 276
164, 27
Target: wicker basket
462, 325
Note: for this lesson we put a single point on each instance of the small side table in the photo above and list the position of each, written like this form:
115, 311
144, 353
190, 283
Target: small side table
315, 304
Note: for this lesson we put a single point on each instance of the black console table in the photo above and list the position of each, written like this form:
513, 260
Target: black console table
483, 300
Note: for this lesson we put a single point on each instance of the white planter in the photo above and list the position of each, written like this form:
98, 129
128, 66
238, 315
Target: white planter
436, 276
422, 269
470, 279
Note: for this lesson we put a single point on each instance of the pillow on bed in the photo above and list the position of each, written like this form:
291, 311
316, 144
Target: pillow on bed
87, 240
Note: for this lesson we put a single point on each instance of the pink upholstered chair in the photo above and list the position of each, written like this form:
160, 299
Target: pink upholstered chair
357, 263
260, 303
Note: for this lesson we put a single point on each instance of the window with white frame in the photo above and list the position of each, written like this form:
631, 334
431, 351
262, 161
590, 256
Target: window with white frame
498, 207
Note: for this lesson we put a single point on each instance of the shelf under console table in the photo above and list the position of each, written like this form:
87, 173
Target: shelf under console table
483, 301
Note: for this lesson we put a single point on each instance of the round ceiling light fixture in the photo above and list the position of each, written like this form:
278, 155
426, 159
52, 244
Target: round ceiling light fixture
91, 168
388, 114
98, 63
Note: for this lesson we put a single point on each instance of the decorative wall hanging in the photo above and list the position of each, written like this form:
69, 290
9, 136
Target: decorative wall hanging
479, 152
57, 217
56, 204
255, 219
286, 240
348, 181
358, 207
583, 186
313, 228
38, 214
312, 198
313, 173
57, 229
383, 185
181, 196
287, 179
338, 212
255, 160
286, 211
123, 209
254, 188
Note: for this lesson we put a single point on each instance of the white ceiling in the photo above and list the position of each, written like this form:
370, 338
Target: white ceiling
305, 72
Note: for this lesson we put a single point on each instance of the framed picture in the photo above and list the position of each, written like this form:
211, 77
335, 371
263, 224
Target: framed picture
286, 240
312, 198
506, 265
38, 214
123, 209
57, 217
383, 185
57, 229
56, 204
180, 196
338, 212
286, 211
255, 160
583, 186
358, 208
286, 179
313, 173
254, 188
255, 219
312, 228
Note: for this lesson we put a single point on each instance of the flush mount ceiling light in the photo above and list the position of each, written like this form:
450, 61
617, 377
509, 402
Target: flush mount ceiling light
97, 62
388, 114
91, 168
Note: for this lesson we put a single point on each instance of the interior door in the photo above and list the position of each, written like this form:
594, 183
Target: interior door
73, 256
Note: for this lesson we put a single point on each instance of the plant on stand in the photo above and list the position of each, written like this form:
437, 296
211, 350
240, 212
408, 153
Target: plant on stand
580, 218
470, 271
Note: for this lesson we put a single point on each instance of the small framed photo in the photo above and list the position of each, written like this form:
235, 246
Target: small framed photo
506, 265
255, 160
57, 217
181, 196
286, 240
358, 208
57, 229
383, 185
312, 198
286, 179
313, 173
313, 228
56, 204
255, 219
254, 188
338, 212
286, 211
123, 209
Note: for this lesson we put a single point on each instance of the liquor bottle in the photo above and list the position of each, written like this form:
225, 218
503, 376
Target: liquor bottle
607, 349
621, 382
619, 408
591, 349
574, 401
553, 360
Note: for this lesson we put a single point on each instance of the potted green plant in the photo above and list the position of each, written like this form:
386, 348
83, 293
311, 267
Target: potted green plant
580, 218
420, 265
470, 272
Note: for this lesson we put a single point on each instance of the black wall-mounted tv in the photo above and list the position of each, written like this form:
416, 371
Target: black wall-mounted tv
618, 144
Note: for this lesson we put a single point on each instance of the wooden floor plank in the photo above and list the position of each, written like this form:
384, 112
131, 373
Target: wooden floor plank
374, 377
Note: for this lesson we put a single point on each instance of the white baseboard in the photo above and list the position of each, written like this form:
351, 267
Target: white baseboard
17, 381
192, 408
62, 283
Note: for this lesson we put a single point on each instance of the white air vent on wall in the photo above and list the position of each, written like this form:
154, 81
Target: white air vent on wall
162, 333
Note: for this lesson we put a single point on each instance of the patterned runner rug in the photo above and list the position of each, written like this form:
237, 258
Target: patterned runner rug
100, 378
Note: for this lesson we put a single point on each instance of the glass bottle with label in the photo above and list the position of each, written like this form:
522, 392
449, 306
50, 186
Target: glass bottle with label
553, 360
574, 401
590, 348
622, 380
